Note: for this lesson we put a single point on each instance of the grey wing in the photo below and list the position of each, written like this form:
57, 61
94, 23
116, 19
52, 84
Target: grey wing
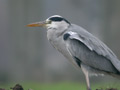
92, 52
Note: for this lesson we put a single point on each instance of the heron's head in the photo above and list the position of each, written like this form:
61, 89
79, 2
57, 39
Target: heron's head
53, 22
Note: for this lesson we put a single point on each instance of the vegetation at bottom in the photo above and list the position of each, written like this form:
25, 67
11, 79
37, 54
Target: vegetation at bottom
58, 86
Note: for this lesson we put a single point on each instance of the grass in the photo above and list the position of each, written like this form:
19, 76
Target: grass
59, 86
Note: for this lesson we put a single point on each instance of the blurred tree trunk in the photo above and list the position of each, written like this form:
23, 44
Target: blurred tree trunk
26, 45
5, 52
111, 23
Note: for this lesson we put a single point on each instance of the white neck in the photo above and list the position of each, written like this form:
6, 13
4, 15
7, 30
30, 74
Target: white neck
56, 29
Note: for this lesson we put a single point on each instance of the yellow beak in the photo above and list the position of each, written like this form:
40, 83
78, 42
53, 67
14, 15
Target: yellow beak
37, 24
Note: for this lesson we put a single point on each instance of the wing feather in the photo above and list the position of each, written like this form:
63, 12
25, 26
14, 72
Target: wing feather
93, 44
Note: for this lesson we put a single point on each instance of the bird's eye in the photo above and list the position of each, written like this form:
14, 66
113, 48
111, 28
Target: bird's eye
49, 22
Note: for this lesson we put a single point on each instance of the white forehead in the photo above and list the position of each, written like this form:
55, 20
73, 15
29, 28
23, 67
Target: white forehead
53, 16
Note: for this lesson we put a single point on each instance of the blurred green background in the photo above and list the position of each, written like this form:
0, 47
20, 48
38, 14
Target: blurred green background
27, 56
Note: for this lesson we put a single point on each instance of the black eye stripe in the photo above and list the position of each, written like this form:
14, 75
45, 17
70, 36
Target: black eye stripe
56, 19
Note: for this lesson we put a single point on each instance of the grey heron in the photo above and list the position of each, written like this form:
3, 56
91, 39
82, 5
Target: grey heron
80, 47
